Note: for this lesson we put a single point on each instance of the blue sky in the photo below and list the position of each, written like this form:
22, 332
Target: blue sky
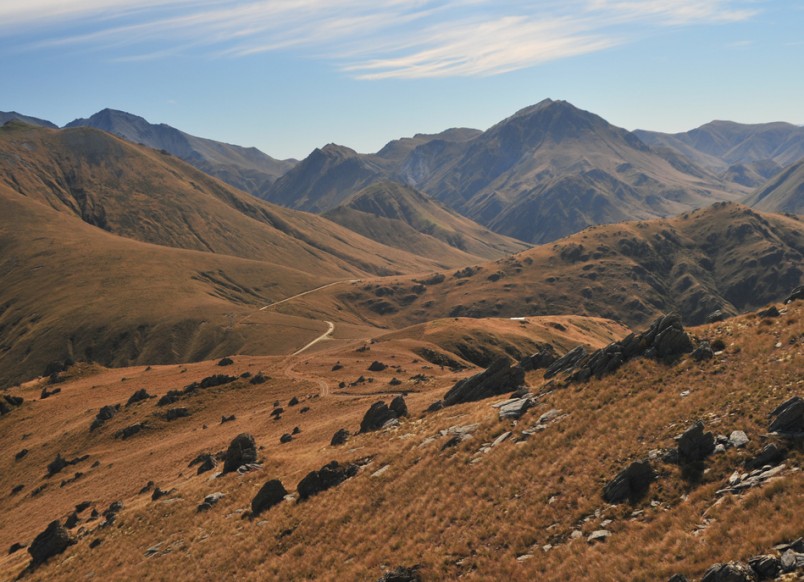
290, 75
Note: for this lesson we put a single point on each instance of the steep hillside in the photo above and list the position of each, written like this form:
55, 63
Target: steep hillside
402, 217
396, 152
459, 493
719, 144
146, 195
784, 193
245, 168
726, 257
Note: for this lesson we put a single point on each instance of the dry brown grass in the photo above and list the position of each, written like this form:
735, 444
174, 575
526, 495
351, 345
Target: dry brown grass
458, 518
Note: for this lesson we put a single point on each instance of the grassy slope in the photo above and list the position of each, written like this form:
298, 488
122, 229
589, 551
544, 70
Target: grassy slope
723, 257
456, 516
782, 193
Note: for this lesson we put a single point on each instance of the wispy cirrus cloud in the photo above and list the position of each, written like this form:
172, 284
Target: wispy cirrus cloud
365, 39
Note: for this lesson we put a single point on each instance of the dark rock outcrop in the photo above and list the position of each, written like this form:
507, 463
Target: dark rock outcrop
272, 493
174, 413
139, 396
380, 413
765, 567
226, 362
499, 378
130, 431
8, 403
789, 417
769, 455
729, 572
565, 362
376, 366
703, 352
51, 542
326, 477
56, 465
771, 311
242, 450
630, 484
104, 414
544, 358
285, 438
695, 444
340, 437
399, 407
205, 462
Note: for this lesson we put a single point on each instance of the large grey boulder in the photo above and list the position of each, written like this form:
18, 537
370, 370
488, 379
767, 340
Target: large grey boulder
729, 572
499, 378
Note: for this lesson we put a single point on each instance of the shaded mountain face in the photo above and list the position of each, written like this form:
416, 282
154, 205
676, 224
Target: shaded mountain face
545, 172
405, 218
720, 144
6, 116
725, 257
248, 169
784, 193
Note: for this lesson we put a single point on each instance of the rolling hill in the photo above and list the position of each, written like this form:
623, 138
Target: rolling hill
6, 116
247, 169
784, 193
726, 257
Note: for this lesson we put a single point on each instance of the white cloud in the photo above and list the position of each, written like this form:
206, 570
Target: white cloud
365, 38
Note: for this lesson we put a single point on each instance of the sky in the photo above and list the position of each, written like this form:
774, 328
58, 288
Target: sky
288, 76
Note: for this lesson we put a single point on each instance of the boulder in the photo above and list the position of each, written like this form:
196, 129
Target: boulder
765, 567
729, 572
513, 409
630, 484
771, 311
56, 465
129, 431
401, 574
340, 437
293, 401
15, 547
205, 462
399, 407
270, 494
738, 439
769, 455
104, 414
242, 451
376, 416
226, 362
326, 477
138, 396
499, 378
789, 417
174, 413
51, 542
703, 352
210, 500
285, 438
792, 560
376, 366
695, 445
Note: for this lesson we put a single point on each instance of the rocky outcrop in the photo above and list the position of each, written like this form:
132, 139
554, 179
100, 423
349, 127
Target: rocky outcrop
9, 403
328, 476
788, 417
51, 542
139, 396
514, 408
770, 454
130, 431
729, 572
631, 484
499, 378
205, 462
376, 366
270, 494
379, 414
544, 358
664, 340
565, 362
242, 451
766, 567
340, 437
695, 444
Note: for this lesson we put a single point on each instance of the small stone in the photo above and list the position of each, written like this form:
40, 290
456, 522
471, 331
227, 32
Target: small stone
598, 536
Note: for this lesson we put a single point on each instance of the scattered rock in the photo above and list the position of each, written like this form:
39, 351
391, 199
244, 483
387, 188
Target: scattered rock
148, 487
704, 351
111, 513
210, 500
51, 542
630, 484
56, 465
740, 482
171, 397
730, 572
376, 366
304, 410
769, 455
771, 311
270, 494
340, 437
285, 438
399, 407
47, 394
21, 455
139, 396
695, 445
337, 366
499, 378
738, 439
8, 403
160, 493
789, 417
293, 401
226, 362
328, 476
402, 574
205, 462
544, 358
258, 378
95, 543
277, 412
72, 520
514, 409
242, 451
378, 415
225, 419
791, 560
174, 413
16, 547
104, 414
